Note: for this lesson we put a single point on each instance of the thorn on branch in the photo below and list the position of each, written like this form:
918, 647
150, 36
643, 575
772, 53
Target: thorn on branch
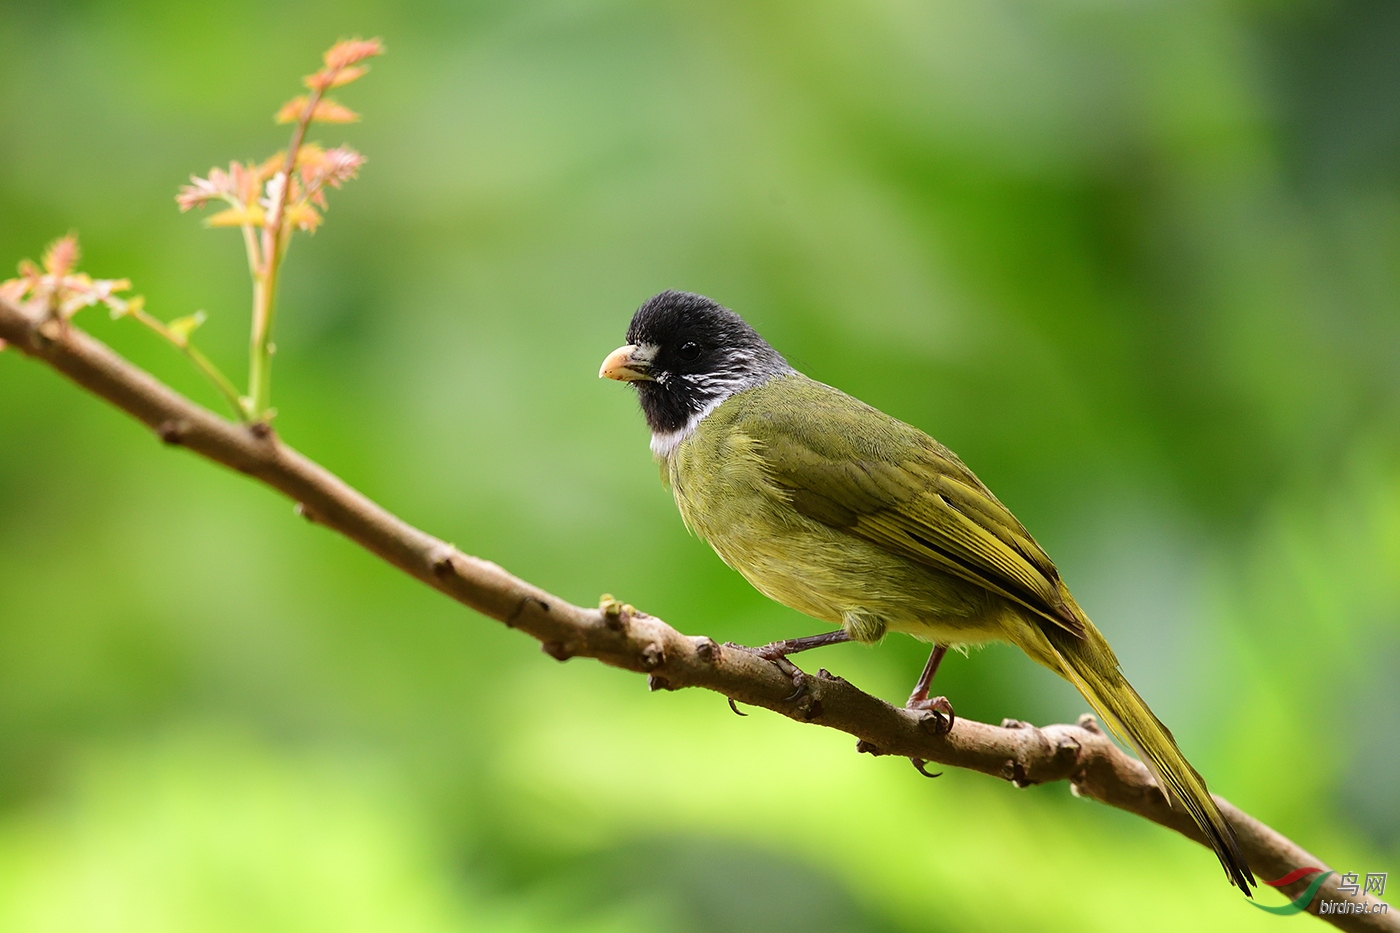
304, 512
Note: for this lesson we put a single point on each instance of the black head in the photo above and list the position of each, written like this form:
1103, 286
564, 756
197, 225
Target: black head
686, 354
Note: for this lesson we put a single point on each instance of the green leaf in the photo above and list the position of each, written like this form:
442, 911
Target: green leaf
181, 328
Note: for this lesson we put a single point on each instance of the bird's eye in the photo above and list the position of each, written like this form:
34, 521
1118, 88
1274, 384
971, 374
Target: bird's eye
689, 351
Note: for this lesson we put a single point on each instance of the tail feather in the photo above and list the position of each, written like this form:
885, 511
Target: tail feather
1090, 665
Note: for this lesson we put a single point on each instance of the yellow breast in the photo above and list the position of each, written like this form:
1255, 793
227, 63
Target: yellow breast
726, 496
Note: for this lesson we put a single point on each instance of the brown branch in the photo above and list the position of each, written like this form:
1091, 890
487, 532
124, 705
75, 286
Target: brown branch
622, 637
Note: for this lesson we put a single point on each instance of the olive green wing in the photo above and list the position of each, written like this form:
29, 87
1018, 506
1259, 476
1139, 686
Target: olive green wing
854, 468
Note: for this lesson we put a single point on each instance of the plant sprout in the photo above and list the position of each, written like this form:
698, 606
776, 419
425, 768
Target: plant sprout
268, 201
272, 199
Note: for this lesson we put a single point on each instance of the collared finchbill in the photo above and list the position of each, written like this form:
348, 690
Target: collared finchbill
628, 364
859, 520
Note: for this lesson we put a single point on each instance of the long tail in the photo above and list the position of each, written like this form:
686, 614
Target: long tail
1089, 663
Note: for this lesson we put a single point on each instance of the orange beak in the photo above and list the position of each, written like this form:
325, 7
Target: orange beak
627, 364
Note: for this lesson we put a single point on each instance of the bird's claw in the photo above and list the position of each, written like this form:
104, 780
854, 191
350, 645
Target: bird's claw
919, 763
737, 711
775, 652
799, 679
939, 707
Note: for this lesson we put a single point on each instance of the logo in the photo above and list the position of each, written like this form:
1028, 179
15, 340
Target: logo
1349, 884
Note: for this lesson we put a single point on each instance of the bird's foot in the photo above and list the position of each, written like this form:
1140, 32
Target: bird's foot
941, 709
777, 652
794, 673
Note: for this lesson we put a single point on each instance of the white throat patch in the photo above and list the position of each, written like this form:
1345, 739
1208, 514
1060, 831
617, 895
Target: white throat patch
664, 443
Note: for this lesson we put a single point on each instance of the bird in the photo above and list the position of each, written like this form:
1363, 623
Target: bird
859, 520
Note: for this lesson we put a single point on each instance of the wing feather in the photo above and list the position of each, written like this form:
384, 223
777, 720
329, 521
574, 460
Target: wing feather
903, 491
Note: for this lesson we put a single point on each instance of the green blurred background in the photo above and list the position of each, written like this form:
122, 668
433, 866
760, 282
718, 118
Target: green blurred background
1136, 261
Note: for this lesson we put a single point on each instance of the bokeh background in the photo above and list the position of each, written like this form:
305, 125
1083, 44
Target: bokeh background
1136, 261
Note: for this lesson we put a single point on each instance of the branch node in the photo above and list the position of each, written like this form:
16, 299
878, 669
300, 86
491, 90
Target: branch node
1013, 724
1014, 772
615, 612
509, 620
653, 656
1089, 724
172, 431
657, 682
47, 332
811, 710
444, 565
867, 748
1068, 750
707, 650
935, 723
260, 429
301, 509
556, 650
